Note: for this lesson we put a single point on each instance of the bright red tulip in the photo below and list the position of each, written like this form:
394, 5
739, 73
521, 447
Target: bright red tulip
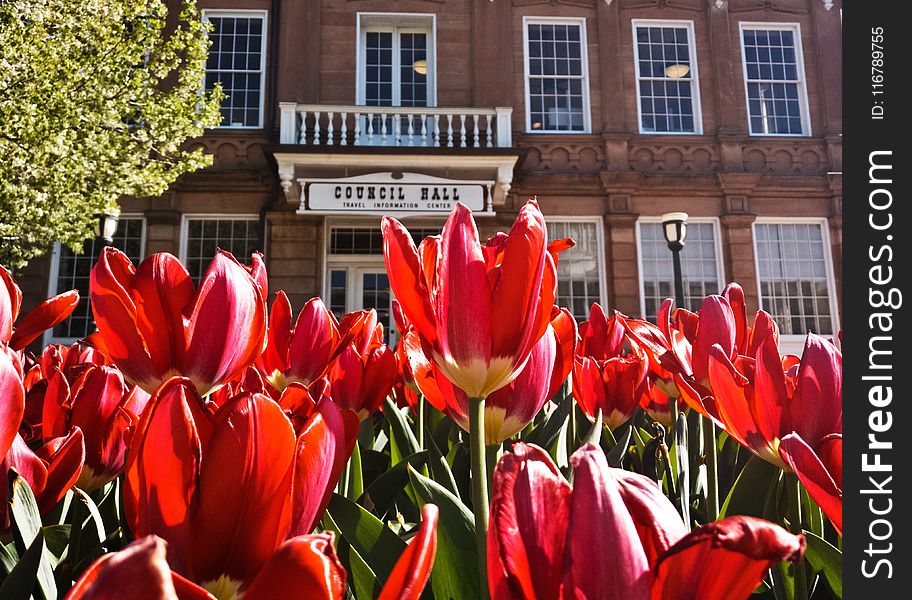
101, 405
299, 353
42, 317
192, 463
607, 378
479, 309
12, 398
50, 471
789, 414
142, 568
155, 325
365, 369
513, 406
413, 569
615, 536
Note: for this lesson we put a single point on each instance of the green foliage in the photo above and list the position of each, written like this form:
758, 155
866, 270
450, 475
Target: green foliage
97, 101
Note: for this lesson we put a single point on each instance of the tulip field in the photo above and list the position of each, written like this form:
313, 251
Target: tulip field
215, 441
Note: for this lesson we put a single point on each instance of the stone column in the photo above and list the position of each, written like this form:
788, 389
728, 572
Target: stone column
621, 261
163, 230
738, 252
295, 258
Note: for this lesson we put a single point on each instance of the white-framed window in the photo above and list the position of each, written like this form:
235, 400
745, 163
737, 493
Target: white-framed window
70, 271
774, 79
701, 264
355, 275
396, 60
795, 277
580, 269
556, 75
237, 60
668, 90
203, 235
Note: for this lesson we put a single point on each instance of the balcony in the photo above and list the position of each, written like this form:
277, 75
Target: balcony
411, 126
465, 150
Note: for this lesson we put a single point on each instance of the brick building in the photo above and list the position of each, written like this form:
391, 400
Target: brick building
612, 112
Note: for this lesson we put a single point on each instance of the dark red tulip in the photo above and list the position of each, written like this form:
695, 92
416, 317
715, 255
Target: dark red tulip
608, 377
548, 540
513, 406
154, 324
192, 462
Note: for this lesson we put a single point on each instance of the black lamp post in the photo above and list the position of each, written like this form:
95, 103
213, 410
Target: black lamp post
105, 226
674, 225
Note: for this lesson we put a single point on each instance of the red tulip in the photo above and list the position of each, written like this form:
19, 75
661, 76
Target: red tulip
365, 369
50, 471
42, 317
479, 309
299, 353
12, 398
789, 414
303, 568
155, 325
606, 378
142, 568
513, 406
100, 404
192, 463
613, 535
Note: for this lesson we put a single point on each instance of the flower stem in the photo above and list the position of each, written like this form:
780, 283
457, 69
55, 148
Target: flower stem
478, 460
801, 583
419, 421
712, 469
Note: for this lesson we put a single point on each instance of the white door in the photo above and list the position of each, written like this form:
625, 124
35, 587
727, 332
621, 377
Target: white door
359, 287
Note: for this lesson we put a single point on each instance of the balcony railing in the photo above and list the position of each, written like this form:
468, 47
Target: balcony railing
415, 126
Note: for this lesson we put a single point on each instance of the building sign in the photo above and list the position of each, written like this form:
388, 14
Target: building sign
382, 193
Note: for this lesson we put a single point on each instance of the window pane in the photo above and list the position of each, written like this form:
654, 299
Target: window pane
236, 61
240, 237
557, 77
773, 81
793, 281
578, 282
73, 272
666, 79
699, 266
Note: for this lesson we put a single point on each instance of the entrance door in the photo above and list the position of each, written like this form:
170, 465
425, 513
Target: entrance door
359, 287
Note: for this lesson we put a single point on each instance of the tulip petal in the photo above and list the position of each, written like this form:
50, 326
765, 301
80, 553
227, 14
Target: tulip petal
163, 467
516, 292
303, 568
313, 344
820, 483
816, 407
141, 567
734, 293
29, 466
406, 277
116, 316
770, 395
413, 568
724, 560
657, 520
10, 303
12, 405
321, 451
716, 326
227, 328
63, 470
465, 335
41, 318
95, 405
245, 472
600, 525
529, 509
276, 352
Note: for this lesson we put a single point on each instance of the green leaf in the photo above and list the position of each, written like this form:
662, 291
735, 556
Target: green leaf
20, 583
749, 493
26, 522
361, 578
682, 467
826, 560
375, 542
355, 477
616, 456
8, 557
454, 574
380, 495
440, 468
405, 443
547, 433
57, 538
594, 435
